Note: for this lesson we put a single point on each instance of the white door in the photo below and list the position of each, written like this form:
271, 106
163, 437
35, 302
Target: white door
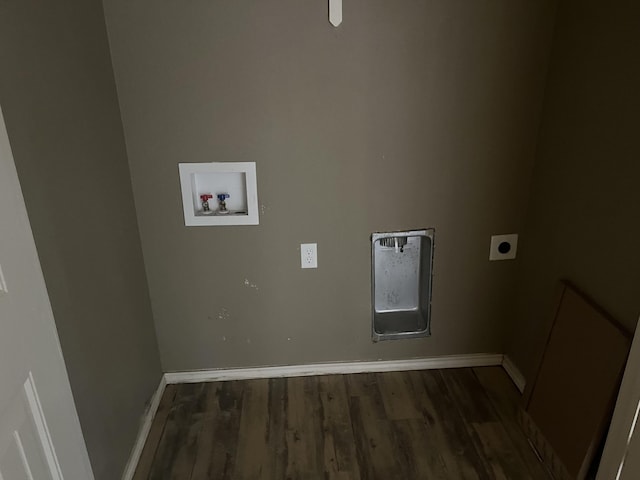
40, 436
621, 457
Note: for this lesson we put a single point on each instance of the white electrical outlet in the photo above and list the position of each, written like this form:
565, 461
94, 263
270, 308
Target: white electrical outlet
503, 247
309, 255
3, 284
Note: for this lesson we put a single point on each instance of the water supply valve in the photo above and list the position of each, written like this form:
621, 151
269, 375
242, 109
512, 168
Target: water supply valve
222, 205
205, 203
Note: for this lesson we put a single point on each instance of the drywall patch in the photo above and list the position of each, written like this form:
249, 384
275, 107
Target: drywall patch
248, 284
224, 314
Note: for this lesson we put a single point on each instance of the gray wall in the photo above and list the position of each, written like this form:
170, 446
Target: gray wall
58, 96
583, 221
411, 114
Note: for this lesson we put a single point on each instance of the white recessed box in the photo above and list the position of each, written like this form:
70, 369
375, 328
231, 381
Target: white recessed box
236, 179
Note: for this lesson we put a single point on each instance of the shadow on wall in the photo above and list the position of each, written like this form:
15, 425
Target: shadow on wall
582, 220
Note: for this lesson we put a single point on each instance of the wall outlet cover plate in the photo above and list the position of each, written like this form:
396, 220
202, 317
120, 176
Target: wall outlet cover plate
503, 247
308, 255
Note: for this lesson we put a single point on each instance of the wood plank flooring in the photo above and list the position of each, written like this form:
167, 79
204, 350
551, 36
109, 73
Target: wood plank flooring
453, 424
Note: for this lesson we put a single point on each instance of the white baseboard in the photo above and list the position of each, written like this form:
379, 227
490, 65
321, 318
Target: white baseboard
513, 372
145, 427
450, 361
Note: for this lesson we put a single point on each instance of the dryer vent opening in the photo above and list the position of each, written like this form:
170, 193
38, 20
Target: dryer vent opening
401, 284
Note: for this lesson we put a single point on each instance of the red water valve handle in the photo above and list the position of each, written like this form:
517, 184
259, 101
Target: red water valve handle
205, 197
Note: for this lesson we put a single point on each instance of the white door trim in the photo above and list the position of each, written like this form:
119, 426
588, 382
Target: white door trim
41, 426
29, 338
622, 423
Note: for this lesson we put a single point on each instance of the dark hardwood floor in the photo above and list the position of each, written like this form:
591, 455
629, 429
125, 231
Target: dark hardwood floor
436, 424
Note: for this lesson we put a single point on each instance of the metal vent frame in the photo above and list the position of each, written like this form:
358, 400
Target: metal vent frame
382, 315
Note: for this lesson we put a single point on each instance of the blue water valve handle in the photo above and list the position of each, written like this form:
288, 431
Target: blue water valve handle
223, 196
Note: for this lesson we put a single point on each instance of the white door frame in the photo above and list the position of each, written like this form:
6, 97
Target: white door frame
40, 433
624, 424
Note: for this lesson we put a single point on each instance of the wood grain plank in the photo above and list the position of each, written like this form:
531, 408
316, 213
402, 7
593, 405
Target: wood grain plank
340, 459
277, 427
304, 435
500, 389
217, 444
461, 458
170, 453
473, 406
468, 394
363, 455
376, 446
442, 427
434, 425
194, 398
204, 453
143, 470
253, 450
365, 385
506, 400
397, 396
500, 453
420, 452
